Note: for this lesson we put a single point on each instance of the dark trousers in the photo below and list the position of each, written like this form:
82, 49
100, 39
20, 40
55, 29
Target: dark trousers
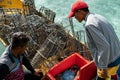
29, 76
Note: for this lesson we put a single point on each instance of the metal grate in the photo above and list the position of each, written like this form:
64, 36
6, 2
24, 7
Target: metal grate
53, 44
49, 14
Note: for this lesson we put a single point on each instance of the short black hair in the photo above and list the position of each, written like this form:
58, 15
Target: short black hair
84, 9
19, 39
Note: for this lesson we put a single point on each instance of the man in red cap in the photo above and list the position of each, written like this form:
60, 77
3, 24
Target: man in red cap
102, 40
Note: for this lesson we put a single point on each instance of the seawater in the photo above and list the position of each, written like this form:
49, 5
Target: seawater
106, 8
2, 47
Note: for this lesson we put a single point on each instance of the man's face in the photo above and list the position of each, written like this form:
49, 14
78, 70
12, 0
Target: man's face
22, 49
79, 15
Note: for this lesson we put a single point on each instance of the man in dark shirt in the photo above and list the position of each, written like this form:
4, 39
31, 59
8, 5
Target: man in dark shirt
13, 58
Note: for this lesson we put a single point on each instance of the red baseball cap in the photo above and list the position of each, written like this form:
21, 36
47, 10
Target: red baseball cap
77, 6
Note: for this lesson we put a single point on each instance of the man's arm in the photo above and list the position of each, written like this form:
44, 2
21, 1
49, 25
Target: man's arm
99, 46
27, 64
4, 70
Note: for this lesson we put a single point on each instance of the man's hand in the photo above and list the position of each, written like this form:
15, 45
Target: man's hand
103, 73
38, 72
